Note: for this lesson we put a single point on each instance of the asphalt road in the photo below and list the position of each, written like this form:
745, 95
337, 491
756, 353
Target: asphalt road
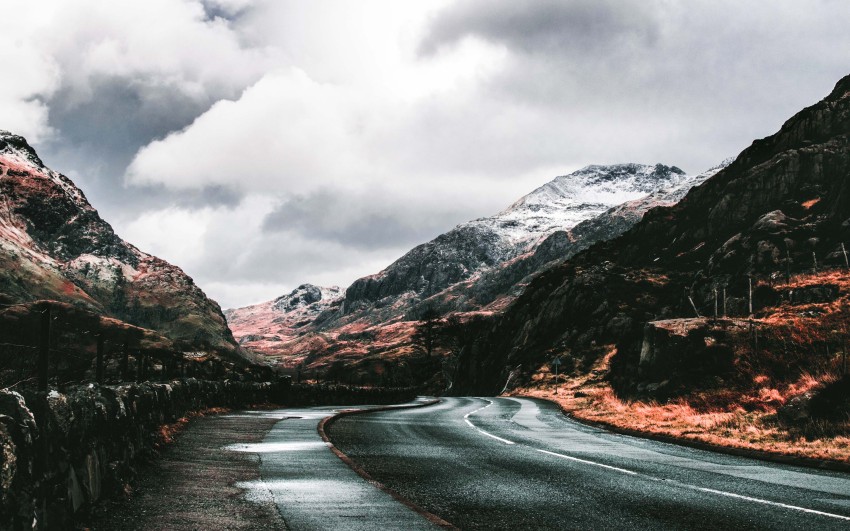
505, 463
311, 487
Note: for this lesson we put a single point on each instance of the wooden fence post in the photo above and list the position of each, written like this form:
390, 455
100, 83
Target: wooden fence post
787, 265
715, 303
98, 373
44, 348
694, 306
125, 362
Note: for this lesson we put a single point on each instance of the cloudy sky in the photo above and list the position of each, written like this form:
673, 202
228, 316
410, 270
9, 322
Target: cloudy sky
260, 144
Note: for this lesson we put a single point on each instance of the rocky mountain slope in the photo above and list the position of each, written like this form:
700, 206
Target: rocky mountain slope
780, 209
479, 266
269, 324
54, 245
484, 243
495, 288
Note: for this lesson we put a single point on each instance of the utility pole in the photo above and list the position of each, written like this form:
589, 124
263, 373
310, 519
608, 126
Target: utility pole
140, 367
557, 363
125, 362
750, 279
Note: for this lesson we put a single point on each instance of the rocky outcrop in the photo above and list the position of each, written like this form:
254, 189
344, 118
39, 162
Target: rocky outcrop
54, 245
267, 326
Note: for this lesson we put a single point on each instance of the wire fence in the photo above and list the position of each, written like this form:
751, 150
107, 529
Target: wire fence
52, 344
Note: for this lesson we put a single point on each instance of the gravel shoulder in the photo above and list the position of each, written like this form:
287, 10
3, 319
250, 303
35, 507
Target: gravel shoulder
192, 485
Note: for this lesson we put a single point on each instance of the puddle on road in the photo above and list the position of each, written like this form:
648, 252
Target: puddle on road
274, 447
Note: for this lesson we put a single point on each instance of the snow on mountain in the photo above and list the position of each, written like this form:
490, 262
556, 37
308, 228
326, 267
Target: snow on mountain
481, 244
305, 296
570, 199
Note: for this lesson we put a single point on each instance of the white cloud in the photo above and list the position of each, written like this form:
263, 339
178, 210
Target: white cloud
406, 116
286, 133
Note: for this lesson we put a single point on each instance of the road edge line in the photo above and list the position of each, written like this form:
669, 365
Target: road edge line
325, 423
761, 455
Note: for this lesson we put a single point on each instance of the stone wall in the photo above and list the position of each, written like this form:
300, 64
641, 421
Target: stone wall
61, 452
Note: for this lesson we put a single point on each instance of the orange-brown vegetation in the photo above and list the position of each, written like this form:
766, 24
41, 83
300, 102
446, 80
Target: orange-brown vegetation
167, 432
800, 351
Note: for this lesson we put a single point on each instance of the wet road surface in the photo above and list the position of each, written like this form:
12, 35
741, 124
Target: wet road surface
506, 463
192, 485
311, 487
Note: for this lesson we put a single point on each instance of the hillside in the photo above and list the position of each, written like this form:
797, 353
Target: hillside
632, 319
783, 201
54, 245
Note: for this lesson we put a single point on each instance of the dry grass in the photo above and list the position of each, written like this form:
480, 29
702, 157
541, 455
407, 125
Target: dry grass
741, 420
167, 432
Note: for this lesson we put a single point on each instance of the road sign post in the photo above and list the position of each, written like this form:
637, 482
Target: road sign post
557, 364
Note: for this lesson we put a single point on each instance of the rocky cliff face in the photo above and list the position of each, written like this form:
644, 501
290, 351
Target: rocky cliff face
54, 245
782, 207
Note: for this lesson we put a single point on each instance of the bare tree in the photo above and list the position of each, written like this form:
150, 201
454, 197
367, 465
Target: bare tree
427, 331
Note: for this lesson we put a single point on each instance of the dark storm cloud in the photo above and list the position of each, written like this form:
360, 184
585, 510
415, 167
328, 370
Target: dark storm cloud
98, 135
577, 27
359, 221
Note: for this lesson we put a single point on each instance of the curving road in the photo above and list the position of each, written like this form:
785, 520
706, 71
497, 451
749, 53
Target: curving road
508, 463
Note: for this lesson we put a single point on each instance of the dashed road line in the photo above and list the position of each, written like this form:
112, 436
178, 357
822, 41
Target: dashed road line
588, 462
653, 478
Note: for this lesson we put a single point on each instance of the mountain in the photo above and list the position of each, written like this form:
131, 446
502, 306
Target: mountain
780, 212
54, 245
480, 265
495, 288
264, 326
484, 243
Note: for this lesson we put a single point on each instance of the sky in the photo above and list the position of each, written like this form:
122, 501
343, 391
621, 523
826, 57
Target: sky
262, 144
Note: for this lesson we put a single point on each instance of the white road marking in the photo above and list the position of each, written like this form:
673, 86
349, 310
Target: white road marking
654, 478
755, 500
476, 428
587, 462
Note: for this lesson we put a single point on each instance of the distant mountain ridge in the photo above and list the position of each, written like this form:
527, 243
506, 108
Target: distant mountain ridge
54, 245
479, 265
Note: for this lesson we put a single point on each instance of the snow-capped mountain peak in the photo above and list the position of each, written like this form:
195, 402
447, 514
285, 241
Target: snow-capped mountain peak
305, 295
570, 199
